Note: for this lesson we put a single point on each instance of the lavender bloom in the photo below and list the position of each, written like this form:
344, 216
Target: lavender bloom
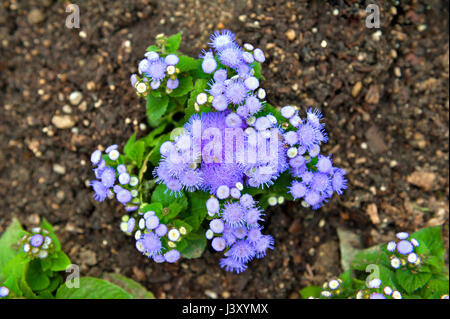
259, 55
152, 222
264, 243
161, 230
101, 192
172, 256
172, 84
96, 157
157, 69
124, 196
171, 59
151, 244
218, 244
232, 265
36, 240
216, 225
220, 41
233, 214
231, 56
405, 247
242, 251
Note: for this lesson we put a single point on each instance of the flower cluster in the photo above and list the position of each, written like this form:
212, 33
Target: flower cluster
403, 251
234, 83
153, 237
114, 180
155, 72
375, 290
38, 244
314, 182
235, 229
330, 289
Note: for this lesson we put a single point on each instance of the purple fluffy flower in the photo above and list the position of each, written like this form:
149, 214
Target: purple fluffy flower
36, 240
218, 244
261, 246
124, 196
221, 40
172, 84
101, 192
259, 55
233, 214
161, 230
172, 256
216, 225
243, 251
232, 265
108, 177
236, 91
297, 189
151, 244
220, 75
171, 59
405, 247
157, 69
231, 56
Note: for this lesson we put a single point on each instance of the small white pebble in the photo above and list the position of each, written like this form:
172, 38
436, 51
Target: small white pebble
364, 145
323, 44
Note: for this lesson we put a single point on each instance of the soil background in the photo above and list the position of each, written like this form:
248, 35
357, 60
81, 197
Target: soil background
384, 94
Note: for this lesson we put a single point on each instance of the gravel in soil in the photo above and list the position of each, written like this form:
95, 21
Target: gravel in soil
384, 94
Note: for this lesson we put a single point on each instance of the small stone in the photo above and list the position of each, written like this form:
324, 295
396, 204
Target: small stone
393, 163
88, 257
75, 97
63, 121
290, 34
211, 294
90, 85
373, 95
376, 36
372, 211
356, 89
83, 106
59, 169
67, 109
323, 44
35, 16
422, 179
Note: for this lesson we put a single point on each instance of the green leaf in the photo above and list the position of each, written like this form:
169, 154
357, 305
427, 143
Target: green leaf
156, 207
412, 281
174, 209
162, 195
373, 255
133, 288
186, 63
129, 144
92, 288
173, 43
257, 68
60, 261
156, 107
14, 270
196, 213
46, 225
196, 243
310, 291
429, 239
185, 86
8, 241
136, 153
54, 282
152, 48
200, 86
35, 277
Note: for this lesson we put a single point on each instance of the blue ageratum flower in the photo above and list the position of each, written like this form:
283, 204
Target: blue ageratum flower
232, 265
222, 40
231, 56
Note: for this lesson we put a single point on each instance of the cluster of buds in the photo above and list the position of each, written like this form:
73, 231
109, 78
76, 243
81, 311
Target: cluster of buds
331, 288
150, 236
403, 251
375, 290
38, 244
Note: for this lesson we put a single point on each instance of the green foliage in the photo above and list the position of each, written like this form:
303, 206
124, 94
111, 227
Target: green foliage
427, 279
41, 278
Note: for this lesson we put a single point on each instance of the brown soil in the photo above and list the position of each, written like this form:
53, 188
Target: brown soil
385, 99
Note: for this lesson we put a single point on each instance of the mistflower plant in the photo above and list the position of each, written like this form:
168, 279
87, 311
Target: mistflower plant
374, 275
217, 156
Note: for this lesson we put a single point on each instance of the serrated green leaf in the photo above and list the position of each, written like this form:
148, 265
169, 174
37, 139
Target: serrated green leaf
35, 277
156, 207
8, 243
156, 107
185, 86
196, 244
162, 195
136, 153
133, 288
92, 288
173, 43
412, 281
431, 238
152, 48
60, 261
373, 255
129, 144
186, 63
